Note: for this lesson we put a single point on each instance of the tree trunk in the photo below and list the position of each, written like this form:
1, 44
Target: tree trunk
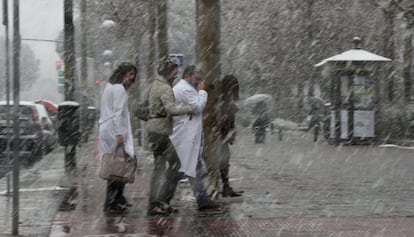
208, 58
151, 53
134, 92
407, 62
310, 71
162, 29
388, 51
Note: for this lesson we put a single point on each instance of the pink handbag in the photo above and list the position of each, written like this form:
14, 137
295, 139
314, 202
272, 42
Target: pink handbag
118, 167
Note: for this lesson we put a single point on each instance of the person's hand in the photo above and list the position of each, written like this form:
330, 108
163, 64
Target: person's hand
119, 141
201, 86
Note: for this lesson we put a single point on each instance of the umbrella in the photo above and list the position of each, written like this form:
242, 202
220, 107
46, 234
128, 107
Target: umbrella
254, 99
50, 106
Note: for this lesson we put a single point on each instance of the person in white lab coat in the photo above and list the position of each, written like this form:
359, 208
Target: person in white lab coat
115, 128
187, 135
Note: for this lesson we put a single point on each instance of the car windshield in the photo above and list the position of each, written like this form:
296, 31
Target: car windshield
24, 110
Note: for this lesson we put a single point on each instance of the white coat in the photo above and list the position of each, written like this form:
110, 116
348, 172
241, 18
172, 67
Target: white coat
114, 120
187, 134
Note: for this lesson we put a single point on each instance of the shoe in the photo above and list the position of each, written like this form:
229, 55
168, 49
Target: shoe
211, 205
171, 209
229, 192
123, 201
157, 211
168, 208
114, 209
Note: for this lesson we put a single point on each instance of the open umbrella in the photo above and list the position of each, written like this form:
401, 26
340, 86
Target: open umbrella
257, 98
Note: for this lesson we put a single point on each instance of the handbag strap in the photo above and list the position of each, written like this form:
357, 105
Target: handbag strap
123, 149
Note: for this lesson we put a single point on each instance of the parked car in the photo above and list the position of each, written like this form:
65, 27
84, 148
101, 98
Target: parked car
38, 117
30, 136
48, 127
50, 107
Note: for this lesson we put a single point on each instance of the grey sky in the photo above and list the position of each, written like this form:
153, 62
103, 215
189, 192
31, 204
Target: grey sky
41, 19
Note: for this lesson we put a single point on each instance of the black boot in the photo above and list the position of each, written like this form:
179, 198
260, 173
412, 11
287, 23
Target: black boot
122, 201
229, 192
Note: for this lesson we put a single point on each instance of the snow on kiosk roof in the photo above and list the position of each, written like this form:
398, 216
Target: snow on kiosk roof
356, 54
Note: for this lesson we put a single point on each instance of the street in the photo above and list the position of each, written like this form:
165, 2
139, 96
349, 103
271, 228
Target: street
296, 177
6, 163
293, 187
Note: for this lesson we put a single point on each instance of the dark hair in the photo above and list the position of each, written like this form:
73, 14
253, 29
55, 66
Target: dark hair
230, 86
119, 73
166, 67
190, 70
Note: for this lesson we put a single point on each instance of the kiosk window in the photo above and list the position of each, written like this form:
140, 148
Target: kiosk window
364, 92
345, 92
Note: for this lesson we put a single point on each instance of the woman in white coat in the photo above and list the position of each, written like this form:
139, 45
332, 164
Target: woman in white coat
115, 128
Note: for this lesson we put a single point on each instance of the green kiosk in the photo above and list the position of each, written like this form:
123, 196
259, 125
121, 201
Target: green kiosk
353, 95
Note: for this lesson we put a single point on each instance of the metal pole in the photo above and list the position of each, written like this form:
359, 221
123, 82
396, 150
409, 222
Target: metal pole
42, 40
7, 46
16, 101
8, 184
84, 79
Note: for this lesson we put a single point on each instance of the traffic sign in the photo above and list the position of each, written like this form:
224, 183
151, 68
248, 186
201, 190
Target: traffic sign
61, 78
59, 65
177, 58
61, 88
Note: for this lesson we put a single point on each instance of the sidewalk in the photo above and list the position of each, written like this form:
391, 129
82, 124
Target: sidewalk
88, 218
43, 186
279, 200
292, 187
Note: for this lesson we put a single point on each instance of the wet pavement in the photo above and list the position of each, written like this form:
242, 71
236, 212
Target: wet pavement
5, 164
42, 189
293, 187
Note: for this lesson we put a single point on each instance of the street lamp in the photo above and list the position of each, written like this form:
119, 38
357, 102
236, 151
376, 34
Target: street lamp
107, 24
106, 58
107, 65
108, 53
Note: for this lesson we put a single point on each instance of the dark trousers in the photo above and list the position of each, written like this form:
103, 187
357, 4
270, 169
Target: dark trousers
166, 174
114, 194
225, 164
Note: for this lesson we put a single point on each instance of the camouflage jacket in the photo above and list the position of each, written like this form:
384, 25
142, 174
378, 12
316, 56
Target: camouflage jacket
162, 107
